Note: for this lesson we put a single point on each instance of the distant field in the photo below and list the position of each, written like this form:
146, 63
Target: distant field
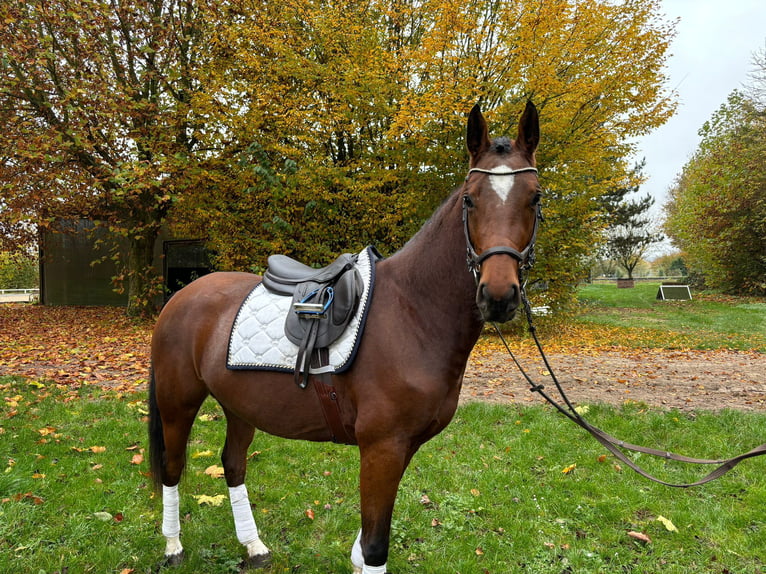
707, 322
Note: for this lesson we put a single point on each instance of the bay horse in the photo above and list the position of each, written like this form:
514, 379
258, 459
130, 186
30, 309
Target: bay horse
427, 313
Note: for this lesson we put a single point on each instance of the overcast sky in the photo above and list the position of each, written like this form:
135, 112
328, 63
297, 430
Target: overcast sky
711, 56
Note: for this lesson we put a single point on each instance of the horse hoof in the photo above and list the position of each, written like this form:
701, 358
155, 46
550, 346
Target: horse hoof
173, 560
257, 561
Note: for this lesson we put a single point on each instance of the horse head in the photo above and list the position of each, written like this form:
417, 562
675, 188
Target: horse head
501, 210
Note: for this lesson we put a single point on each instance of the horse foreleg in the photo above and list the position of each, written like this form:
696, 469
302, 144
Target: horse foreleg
239, 435
382, 467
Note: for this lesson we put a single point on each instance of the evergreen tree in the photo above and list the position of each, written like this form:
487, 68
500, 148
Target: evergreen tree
629, 234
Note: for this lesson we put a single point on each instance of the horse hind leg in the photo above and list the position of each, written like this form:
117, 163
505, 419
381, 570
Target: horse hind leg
169, 428
176, 436
239, 435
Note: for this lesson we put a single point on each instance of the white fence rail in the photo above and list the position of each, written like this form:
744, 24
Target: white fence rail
19, 295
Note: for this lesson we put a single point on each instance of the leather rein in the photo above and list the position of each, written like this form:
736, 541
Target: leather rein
526, 259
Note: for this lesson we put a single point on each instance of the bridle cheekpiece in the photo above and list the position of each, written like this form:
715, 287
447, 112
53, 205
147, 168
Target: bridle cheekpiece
525, 257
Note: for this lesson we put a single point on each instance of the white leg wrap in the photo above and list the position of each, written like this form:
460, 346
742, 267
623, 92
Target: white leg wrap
357, 559
173, 546
171, 521
244, 523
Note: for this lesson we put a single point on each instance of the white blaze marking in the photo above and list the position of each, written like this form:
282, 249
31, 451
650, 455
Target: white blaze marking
501, 184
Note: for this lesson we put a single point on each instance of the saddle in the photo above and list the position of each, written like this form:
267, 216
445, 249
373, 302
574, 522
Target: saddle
323, 303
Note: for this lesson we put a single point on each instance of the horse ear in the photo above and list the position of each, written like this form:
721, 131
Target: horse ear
529, 130
477, 139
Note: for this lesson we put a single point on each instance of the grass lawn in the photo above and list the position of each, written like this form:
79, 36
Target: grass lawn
489, 495
635, 317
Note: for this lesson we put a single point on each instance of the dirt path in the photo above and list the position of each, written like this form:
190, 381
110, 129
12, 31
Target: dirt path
685, 380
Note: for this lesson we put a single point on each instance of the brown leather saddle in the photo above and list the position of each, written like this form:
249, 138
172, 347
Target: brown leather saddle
324, 302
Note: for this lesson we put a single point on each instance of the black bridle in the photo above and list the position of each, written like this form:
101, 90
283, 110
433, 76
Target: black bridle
525, 257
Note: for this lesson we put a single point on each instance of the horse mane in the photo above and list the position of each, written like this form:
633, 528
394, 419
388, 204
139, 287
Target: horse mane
434, 221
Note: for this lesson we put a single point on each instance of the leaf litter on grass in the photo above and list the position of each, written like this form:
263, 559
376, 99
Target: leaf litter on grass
75, 346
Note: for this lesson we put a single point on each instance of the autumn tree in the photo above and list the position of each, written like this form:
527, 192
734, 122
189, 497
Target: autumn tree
18, 270
717, 208
368, 102
95, 100
314, 127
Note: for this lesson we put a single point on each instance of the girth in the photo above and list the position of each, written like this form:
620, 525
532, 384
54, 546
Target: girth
330, 400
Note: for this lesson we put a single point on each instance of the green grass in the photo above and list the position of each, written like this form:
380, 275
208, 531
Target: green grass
706, 322
497, 499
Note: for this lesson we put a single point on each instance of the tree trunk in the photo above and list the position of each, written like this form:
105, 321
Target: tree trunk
144, 283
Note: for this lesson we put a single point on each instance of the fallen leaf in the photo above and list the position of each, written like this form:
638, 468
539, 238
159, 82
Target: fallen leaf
669, 526
216, 500
569, 469
214, 471
309, 514
640, 536
28, 496
103, 516
137, 458
202, 453
97, 449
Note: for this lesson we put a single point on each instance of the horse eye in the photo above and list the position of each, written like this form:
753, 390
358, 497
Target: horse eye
468, 201
537, 198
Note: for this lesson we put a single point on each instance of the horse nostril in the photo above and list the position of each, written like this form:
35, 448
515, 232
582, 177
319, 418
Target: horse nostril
513, 296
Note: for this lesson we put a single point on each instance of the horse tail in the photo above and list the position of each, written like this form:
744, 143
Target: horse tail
156, 435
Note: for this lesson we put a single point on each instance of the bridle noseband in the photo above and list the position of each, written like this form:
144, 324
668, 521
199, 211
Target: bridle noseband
525, 257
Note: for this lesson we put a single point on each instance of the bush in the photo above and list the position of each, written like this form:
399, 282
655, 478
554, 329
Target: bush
18, 270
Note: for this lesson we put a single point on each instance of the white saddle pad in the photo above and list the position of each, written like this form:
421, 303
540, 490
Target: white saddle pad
258, 339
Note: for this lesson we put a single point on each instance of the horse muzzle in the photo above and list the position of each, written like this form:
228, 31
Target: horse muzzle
498, 305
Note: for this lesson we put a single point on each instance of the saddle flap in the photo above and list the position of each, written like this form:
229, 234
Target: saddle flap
325, 307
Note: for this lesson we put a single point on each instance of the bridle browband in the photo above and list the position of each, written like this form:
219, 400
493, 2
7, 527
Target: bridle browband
525, 257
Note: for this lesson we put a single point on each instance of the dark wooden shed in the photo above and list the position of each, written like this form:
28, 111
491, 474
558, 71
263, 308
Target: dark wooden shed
76, 268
